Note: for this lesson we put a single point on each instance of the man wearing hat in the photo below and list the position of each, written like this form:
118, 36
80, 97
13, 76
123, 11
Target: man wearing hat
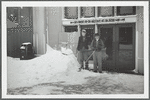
83, 50
97, 45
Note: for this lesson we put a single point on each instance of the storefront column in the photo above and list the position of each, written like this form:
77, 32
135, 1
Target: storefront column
63, 12
139, 41
78, 29
79, 12
39, 31
115, 11
96, 15
96, 10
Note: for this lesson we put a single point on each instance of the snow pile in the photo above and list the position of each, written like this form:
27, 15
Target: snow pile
66, 51
22, 73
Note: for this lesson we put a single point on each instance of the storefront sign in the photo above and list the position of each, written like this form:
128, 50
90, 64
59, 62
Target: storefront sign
97, 20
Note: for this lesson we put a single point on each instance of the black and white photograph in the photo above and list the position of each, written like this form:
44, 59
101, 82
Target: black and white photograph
75, 49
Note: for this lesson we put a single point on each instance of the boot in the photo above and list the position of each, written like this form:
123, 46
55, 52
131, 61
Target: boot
81, 67
86, 67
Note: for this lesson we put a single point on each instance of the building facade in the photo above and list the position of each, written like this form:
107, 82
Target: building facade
121, 29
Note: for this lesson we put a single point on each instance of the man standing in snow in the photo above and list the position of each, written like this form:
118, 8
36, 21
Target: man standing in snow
83, 50
97, 45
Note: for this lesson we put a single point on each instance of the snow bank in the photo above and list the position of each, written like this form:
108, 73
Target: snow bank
22, 73
56, 67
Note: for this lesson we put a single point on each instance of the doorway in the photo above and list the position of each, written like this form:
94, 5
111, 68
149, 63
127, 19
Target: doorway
107, 33
125, 55
119, 41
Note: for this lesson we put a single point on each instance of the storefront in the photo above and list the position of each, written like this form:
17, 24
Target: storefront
117, 27
121, 28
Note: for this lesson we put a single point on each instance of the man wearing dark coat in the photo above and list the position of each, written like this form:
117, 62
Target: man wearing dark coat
97, 45
83, 50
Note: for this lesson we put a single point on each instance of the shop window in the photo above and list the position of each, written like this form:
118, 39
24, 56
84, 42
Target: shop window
25, 16
87, 12
71, 12
71, 28
105, 11
12, 14
19, 16
126, 10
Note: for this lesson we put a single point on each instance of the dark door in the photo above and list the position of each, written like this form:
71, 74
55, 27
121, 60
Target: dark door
119, 41
125, 50
107, 35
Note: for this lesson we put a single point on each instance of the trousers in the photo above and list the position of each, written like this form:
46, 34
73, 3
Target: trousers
97, 57
83, 56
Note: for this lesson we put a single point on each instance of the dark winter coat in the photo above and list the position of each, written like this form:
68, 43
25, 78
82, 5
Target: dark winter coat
82, 44
99, 47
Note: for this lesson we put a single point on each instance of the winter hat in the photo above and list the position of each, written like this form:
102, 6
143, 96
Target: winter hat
84, 30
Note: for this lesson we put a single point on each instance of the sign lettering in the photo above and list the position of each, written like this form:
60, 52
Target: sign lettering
98, 20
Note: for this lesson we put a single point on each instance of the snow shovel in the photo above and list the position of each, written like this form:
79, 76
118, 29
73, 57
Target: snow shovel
84, 62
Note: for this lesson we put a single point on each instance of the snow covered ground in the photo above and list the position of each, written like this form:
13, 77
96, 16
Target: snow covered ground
55, 73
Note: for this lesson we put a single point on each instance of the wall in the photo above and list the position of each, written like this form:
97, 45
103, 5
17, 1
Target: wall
54, 25
140, 40
56, 33
39, 30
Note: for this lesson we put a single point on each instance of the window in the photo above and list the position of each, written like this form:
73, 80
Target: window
71, 28
21, 16
71, 12
126, 10
105, 11
25, 16
125, 35
12, 14
87, 12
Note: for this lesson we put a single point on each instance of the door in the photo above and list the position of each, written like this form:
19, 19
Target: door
125, 50
107, 35
119, 41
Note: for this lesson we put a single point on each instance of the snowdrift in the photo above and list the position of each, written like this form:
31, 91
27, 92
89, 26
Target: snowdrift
23, 73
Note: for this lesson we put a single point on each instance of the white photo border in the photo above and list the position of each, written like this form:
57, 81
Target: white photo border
6, 4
